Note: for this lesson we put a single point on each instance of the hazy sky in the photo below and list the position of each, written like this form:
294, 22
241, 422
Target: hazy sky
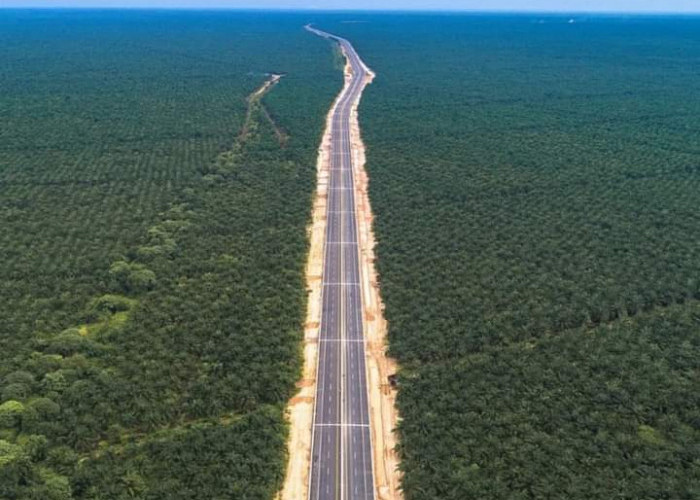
539, 5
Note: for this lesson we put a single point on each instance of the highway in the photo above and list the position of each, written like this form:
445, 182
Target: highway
341, 464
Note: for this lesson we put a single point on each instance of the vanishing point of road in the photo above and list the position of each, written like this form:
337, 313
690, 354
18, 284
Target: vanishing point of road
341, 464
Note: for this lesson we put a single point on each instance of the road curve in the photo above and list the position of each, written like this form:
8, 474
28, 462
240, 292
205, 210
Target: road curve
341, 463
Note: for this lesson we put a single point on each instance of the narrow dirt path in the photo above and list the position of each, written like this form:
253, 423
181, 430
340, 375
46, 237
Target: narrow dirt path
301, 407
254, 101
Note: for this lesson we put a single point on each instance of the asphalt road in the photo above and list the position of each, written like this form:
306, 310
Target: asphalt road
341, 467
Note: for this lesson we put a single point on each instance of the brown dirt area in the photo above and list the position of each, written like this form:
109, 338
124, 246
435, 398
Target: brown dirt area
301, 407
383, 414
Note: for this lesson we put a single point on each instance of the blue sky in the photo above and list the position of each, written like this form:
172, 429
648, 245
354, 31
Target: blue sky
526, 5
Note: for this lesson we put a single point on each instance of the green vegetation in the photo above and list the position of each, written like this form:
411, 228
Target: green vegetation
535, 184
611, 412
152, 283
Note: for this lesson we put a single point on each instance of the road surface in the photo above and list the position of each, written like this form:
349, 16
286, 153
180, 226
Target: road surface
341, 465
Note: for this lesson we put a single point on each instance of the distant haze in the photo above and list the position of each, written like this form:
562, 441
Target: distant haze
668, 6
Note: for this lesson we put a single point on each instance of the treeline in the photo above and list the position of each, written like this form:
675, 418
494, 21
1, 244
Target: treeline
531, 178
152, 308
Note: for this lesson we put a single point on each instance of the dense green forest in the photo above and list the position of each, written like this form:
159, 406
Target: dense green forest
535, 184
610, 412
152, 289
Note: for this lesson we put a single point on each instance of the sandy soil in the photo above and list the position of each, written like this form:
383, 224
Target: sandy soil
379, 366
265, 86
382, 397
301, 408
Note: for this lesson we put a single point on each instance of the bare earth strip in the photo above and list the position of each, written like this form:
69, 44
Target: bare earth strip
272, 80
254, 98
301, 407
379, 366
383, 414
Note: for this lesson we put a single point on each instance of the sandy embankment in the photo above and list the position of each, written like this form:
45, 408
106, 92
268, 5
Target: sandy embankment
301, 407
382, 398
379, 366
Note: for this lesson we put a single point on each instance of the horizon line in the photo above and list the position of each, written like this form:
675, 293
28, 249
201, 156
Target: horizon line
355, 11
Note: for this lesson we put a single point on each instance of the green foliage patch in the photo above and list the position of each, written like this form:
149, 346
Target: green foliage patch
529, 177
612, 412
145, 301
192, 461
533, 181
